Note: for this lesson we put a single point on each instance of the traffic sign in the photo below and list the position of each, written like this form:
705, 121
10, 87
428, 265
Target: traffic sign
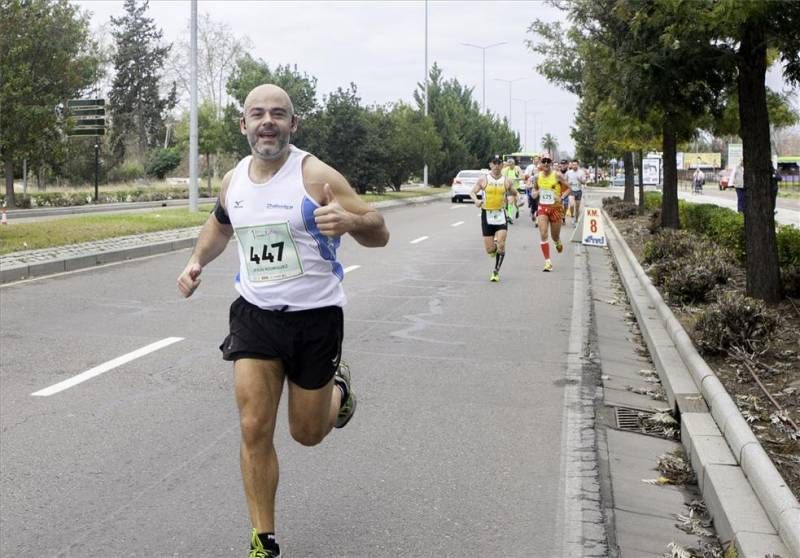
79, 112
87, 132
93, 122
72, 103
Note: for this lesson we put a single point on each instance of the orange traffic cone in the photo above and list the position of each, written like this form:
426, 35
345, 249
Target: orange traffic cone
4, 218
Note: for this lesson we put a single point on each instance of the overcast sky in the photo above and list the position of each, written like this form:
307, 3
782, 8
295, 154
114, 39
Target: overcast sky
380, 46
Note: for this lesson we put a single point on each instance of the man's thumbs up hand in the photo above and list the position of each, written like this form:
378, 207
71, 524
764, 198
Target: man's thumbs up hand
332, 220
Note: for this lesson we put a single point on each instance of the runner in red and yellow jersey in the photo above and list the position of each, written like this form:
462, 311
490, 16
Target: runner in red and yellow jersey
549, 187
495, 187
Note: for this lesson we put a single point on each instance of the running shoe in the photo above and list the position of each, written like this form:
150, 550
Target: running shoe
548, 266
257, 549
495, 278
492, 254
559, 247
348, 408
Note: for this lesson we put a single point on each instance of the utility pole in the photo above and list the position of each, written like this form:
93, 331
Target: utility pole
193, 142
510, 83
425, 168
484, 49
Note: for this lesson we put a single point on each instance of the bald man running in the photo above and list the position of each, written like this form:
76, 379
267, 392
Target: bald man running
288, 211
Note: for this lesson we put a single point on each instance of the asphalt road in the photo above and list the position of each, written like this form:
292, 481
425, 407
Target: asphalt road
456, 448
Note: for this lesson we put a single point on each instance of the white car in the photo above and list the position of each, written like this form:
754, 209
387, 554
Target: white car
463, 184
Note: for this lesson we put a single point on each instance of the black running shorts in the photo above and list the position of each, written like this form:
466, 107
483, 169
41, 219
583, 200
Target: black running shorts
489, 230
308, 342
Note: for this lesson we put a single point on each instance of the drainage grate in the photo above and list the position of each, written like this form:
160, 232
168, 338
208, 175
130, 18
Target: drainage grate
633, 420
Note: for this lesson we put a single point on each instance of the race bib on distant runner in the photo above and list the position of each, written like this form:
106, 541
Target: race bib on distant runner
496, 217
269, 252
547, 197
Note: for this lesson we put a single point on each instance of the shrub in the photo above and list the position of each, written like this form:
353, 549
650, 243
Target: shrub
611, 200
654, 222
734, 320
690, 279
788, 239
622, 210
668, 243
726, 228
790, 274
126, 172
698, 216
162, 161
652, 201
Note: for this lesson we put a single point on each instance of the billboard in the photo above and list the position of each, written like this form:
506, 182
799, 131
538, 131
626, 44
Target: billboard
651, 173
702, 160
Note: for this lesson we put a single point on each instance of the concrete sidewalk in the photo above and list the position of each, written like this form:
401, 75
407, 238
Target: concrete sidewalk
750, 503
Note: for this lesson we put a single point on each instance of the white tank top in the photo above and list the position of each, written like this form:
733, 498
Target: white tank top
285, 263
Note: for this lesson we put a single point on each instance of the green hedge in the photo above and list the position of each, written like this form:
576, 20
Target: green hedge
726, 227
66, 199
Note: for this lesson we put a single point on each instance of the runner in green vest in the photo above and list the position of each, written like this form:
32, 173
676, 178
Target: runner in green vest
513, 173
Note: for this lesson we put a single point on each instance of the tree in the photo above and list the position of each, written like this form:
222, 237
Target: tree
37, 81
218, 50
250, 73
412, 141
746, 31
550, 144
210, 134
468, 136
137, 107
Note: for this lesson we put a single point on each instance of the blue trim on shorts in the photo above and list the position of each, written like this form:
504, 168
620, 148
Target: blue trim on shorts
327, 246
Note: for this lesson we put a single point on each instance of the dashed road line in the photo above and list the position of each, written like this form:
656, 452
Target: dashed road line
105, 367
420, 239
351, 268
457, 223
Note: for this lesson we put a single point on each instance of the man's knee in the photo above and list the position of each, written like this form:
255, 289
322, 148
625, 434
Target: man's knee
256, 430
307, 434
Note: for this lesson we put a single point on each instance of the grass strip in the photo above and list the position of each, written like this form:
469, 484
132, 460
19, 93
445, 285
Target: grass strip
63, 231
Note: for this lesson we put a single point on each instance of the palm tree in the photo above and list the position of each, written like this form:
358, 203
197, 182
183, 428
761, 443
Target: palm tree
550, 144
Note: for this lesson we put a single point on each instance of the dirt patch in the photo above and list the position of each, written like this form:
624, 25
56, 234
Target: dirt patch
766, 385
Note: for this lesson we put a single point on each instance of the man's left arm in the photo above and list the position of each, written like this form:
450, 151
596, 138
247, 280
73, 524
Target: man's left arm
511, 189
342, 210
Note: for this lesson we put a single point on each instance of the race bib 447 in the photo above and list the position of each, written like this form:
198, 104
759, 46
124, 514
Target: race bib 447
269, 252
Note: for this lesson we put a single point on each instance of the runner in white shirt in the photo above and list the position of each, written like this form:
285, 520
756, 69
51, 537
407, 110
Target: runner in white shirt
576, 179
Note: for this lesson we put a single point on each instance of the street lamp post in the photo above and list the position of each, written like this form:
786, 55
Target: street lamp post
425, 168
484, 49
510, 83
525, 136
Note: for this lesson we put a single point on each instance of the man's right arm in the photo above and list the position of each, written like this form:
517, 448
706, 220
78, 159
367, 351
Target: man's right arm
475, 189
211, 242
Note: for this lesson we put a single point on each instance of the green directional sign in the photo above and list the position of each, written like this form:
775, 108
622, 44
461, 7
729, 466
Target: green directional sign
88, 132
93, 122
73, 103
79, 112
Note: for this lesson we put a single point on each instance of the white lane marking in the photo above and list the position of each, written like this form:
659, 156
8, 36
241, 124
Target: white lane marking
105, 367
420, 239
456, 207
457, 223
351, 268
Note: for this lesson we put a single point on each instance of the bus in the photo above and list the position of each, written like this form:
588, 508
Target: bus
789, 169
522, 159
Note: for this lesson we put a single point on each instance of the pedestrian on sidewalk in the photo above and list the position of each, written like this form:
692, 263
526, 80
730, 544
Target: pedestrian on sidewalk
289, 211
737, 181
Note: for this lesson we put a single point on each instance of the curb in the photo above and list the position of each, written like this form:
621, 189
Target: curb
93, 256
745, 494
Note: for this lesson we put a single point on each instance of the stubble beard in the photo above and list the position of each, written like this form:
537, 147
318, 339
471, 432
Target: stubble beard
267, 153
